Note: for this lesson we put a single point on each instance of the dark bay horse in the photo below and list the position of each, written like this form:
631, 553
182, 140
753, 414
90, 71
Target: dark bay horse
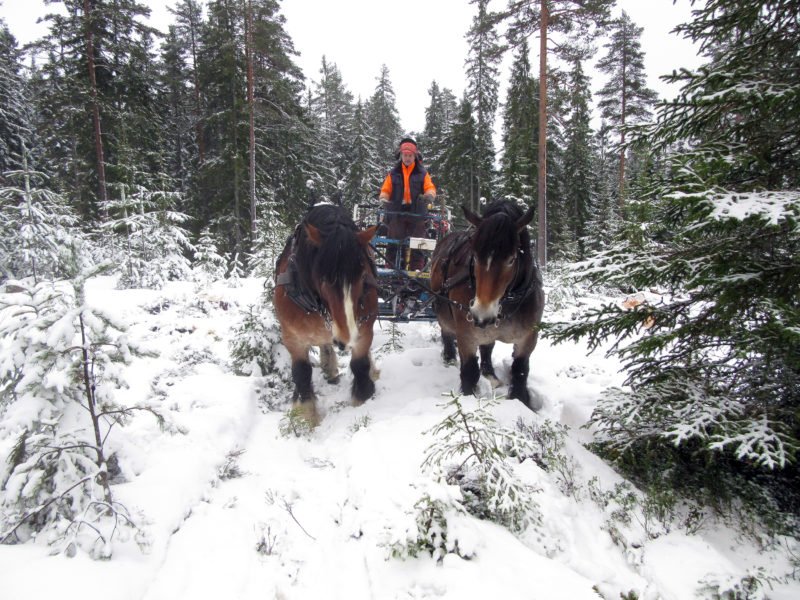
490, 289
326, 294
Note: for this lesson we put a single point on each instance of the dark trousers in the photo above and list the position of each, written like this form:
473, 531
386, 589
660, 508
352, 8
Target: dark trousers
402, 226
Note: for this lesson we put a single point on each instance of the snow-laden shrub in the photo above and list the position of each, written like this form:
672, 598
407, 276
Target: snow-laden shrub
256, 344
209, 266
145, 236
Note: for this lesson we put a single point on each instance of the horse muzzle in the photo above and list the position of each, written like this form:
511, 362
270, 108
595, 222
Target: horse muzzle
483, 316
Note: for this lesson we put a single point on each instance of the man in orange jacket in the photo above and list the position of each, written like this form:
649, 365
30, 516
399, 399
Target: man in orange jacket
406, 193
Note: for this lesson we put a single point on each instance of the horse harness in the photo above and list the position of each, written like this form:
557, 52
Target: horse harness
307, 298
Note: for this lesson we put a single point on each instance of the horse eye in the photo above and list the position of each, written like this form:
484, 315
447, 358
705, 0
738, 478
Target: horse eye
511, 260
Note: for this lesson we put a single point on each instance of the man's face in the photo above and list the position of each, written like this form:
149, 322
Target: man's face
407, 158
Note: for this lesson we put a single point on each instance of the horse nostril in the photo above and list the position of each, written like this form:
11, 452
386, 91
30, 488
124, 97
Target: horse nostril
482, 323
472, 303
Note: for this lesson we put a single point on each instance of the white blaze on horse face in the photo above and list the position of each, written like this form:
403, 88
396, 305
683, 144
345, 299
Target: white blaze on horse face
350, 336
485, 309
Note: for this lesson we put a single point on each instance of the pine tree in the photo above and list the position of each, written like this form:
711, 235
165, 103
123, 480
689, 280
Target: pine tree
625, 99
580, 21
209, 265
712, 407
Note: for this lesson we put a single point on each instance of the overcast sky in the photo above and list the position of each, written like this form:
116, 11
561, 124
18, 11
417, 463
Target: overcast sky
418, 40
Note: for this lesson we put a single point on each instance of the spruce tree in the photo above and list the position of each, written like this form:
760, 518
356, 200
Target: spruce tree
520, 136
383, 119
179, 154
15, 110
222, 177
482, 66
364, 175
282, 126
459, 165
579, 179
711, 350
332, 107
439, 117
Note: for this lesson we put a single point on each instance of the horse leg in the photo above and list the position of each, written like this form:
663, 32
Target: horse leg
329, 363
448, 348
303, 399
487, 369
520, 367
470, 371
363, 368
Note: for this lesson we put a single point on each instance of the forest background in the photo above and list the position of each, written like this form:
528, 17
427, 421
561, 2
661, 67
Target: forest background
156, 155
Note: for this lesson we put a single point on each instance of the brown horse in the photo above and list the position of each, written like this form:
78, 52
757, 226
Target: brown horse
489, 288
326, 294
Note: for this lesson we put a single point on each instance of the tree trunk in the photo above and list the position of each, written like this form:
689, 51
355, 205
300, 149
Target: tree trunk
98, 139
541, 239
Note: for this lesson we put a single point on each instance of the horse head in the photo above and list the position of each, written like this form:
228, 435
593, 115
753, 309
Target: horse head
343, 276
499, 244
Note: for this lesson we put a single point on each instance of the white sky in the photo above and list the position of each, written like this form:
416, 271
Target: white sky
419, 41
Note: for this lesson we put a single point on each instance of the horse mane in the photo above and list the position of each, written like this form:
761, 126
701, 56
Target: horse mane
334, 261
497, 234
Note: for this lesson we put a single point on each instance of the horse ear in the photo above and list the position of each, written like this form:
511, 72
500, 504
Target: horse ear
523, 221
471, 216
365, 236
313, 234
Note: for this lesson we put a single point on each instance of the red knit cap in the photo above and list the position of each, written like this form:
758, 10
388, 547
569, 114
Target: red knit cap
408, 147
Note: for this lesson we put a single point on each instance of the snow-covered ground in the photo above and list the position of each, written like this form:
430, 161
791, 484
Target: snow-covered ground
235, 509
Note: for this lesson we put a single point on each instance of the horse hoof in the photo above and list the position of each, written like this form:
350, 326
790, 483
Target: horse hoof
374, 373
332, 380
362, 391
307, 411
493, 380
529, 398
